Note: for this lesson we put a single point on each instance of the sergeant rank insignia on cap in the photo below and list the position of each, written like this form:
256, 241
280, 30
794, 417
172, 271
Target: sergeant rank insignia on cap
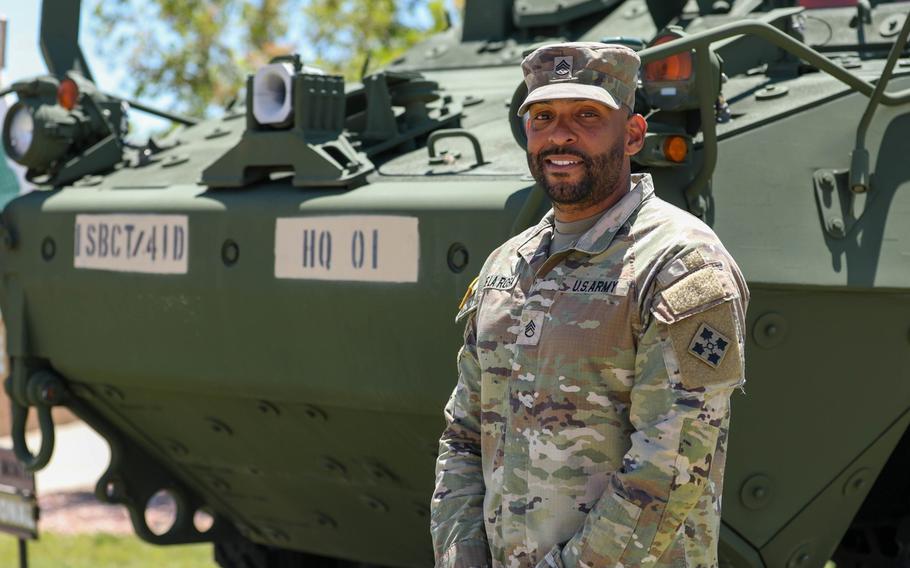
562, 66
709, 345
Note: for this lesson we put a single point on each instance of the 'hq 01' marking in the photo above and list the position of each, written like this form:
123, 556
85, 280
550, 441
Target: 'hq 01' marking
365, 248
358, 248
317, 249
132, 243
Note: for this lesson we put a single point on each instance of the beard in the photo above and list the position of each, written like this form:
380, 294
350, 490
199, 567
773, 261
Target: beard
601, 174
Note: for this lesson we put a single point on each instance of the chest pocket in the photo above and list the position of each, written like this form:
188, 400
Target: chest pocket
589, 335
586, 368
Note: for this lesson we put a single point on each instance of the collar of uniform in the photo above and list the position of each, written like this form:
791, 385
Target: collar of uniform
537, 247
598, 238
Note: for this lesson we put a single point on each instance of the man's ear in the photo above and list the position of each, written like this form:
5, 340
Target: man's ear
636, 128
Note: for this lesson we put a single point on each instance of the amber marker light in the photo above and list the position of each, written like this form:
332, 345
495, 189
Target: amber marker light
674, 68
67, 94
676, 149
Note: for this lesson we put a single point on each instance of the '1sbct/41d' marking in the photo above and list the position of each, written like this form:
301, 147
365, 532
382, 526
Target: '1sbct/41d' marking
364, 248
153, 244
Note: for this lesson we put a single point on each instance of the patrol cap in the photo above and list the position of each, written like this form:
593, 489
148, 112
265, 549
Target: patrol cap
603, 72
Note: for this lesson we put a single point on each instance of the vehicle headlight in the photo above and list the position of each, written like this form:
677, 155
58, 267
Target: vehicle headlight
38, 136
18, 132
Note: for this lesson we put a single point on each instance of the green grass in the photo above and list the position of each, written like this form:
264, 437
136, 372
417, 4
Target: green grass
103, 551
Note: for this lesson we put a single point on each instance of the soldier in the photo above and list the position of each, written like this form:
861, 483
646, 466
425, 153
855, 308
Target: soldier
589, 423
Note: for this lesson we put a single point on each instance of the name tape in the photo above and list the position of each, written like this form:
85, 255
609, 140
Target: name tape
499, 282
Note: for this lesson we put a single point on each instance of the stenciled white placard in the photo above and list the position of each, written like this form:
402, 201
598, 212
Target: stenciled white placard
151, 244
16, 512
361, 248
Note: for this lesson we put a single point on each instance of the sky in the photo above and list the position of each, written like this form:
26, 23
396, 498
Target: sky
22, 56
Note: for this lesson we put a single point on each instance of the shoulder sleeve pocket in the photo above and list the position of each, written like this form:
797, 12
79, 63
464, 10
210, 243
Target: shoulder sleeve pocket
694, 293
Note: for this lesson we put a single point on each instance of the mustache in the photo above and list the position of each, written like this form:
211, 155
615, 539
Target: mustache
553, 150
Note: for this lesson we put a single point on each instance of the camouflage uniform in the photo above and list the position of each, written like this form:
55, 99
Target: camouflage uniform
589, 423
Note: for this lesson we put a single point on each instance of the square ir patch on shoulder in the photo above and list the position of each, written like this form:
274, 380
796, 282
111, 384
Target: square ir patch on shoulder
709, 345
706, 348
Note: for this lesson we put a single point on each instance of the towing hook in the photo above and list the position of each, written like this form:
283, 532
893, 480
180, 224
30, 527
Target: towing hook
42, 389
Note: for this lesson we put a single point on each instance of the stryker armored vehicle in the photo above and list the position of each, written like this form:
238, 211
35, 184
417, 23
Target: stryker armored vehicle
256, 311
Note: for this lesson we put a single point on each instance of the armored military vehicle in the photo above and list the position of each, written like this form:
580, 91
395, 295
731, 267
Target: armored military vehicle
256, 312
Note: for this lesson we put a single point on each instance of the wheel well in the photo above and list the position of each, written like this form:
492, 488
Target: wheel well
878, 535
890, 495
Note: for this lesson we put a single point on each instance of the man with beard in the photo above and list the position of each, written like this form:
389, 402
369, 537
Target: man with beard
589, 423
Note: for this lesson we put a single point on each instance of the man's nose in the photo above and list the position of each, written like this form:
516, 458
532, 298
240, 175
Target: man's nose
562, 133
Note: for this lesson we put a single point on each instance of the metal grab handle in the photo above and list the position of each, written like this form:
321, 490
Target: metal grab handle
859, 159
437, 135
700, 186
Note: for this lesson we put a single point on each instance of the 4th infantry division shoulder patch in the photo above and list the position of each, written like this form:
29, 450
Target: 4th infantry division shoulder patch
709, 345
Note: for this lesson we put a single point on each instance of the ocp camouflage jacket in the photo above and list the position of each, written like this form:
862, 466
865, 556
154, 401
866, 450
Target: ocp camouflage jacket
589, 423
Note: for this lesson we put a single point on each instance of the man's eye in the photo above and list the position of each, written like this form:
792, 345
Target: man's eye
542, 116
588, 114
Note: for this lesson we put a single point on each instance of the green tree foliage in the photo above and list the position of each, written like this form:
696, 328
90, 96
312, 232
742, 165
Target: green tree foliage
348, 32
196, 53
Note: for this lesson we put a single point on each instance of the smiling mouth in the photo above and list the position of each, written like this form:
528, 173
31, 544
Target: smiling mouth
562, 163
